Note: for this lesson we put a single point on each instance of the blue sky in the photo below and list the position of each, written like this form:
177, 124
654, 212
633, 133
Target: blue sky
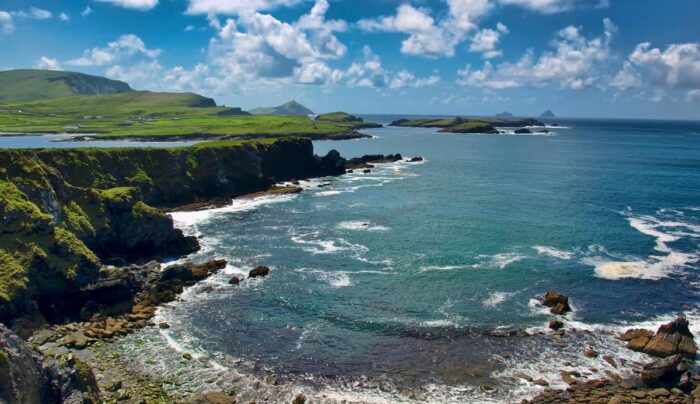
584, 58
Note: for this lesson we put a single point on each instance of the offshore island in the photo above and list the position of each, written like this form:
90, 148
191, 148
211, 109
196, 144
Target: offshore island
87, 243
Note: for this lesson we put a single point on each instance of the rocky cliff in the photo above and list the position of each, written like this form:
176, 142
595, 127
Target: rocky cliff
65, 211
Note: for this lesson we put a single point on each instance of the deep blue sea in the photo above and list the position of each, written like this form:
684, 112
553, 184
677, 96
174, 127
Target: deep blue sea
410, 283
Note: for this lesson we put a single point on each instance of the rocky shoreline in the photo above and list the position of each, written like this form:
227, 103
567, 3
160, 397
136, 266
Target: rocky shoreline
115, 303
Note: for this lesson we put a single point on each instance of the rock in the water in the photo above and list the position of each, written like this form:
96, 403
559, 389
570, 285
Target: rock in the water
557, 302
664, 372
259, 271
299, 399
556, 325
366, 171
210, 398
415, 159
234, 280
522, 131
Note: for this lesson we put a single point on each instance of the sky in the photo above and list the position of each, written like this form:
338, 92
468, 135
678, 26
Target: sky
579, 58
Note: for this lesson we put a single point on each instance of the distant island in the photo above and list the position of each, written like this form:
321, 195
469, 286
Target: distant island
469, 125
547, 114
289, 108
504, 114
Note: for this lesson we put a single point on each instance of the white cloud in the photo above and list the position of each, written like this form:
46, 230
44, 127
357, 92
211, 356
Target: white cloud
573, 64
235, 7
676, 66
426, 36
64, 17
132, 4
33, 13
542, 6
259, 45
46, 63
7, 26
693, 96
87, 11
626, 78
317, 73
370, 73
126, 46
486, 41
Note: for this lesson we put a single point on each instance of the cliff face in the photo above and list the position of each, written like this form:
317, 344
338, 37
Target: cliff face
63, 211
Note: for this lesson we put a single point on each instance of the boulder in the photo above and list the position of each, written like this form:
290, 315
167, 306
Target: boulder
234, 280
557, 302
556, 325
415, 159
522, 131
259, 271
663, 372
366, 171
671, 338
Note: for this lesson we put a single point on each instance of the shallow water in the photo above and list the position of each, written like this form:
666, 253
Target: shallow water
387, 286
33, 141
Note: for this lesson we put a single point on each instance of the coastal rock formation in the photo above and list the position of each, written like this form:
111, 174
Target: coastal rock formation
64, 212
670, 339
27, 377
522, 131
664, 372
366, 161
557, 302
259, 272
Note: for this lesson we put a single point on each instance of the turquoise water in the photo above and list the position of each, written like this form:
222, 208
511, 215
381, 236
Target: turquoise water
399, 284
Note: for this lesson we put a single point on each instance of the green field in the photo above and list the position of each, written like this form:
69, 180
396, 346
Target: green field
159, 116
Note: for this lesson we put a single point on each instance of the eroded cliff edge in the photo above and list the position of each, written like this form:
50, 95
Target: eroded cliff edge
65, 212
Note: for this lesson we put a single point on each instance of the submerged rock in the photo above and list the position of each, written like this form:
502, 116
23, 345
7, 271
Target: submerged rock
415, 159
522, 131
259, 271
557, 302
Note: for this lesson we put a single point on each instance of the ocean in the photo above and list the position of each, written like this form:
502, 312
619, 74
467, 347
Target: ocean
419, 282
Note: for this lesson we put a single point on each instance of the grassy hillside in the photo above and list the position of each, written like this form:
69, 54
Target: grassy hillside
150, 115
27, 84
286, 109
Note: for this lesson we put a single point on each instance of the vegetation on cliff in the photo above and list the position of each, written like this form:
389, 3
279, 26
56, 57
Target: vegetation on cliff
344, 117
467, 125
61, 209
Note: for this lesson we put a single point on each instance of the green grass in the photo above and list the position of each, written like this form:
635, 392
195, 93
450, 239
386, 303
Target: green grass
27, 84
157, 116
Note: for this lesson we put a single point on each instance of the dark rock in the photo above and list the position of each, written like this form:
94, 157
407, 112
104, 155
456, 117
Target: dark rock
557, 302
590, 353
415, 159
163, 326
366, 171
541, 382
299, 399
556, 325
259, 271
234, 280
522, 131
663, 372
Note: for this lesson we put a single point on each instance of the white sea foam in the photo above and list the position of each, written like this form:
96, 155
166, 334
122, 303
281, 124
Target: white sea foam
319, 246
502, 260
553, 252
655, 266
189, 220
496, 298
361, 225
431, 268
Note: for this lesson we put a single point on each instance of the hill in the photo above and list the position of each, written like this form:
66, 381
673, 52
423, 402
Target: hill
288, 108
504, 114
547, 114
28, 84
